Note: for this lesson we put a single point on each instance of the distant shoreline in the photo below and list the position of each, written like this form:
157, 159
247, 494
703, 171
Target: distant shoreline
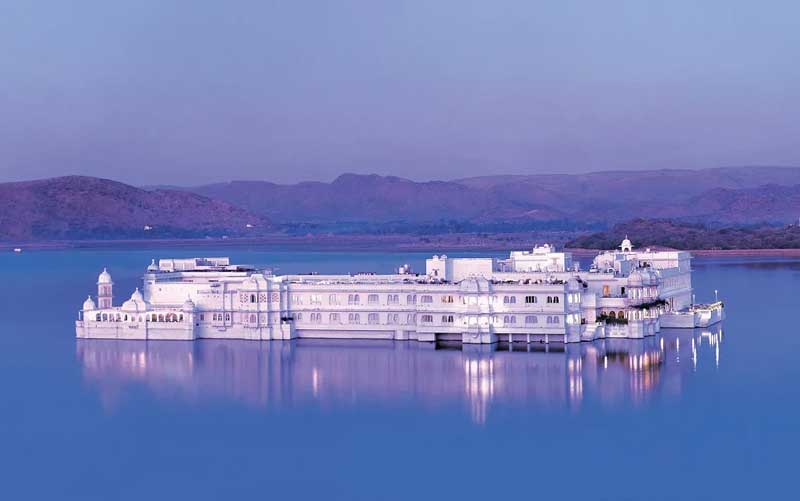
355, 243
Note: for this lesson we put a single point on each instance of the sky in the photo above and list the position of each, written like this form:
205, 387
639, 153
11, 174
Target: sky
197, 91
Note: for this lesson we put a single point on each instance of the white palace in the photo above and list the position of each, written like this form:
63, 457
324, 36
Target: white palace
532, 296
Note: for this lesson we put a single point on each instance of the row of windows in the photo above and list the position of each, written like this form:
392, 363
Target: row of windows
355, 318
153, 317
216, 317
355, 299
394, 319
531, 319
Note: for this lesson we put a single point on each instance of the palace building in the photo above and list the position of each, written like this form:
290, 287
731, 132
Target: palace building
540, 295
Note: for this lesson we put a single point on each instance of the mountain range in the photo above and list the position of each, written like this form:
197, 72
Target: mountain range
728, 195
76, 207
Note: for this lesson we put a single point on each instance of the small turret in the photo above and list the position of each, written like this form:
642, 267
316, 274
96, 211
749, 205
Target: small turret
626, 245
89, 305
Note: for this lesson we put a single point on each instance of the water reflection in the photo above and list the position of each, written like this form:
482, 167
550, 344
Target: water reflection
350, 373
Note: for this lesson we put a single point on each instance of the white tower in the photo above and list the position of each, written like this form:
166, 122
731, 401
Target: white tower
626, 245
105, 289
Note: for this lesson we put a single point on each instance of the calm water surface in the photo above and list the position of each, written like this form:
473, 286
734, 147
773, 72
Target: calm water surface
706, 414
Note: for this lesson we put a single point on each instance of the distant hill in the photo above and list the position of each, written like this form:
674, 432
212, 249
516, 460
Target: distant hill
372, 198
677, 235
724, 195
77, 207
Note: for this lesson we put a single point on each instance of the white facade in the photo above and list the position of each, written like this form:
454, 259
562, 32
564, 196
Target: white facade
537, 296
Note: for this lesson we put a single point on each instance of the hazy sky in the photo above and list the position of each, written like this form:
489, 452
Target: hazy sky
186, 92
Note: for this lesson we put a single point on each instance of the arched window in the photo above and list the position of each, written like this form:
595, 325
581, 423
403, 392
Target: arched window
97, 317
531, 319
606, 290
126, 317
509, 319
227, 317
252, 298
621, 314
612, 315
160, 317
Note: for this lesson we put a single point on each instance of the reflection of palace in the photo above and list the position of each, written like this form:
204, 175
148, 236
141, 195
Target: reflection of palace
332, 373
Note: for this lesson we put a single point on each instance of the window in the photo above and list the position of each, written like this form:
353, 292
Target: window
160, 317
202, 317
253, 319
426, 299
393, 318
372, 318
447, 299
297, 299
372, 299
427, 319
447, 319
333, 299
554, 320
316, 318
354, 318
531, 319
97, 317
298, 317
353, 299
509, 299
315, 299
509, 319
411, 319
552, 300
393, 299
252, 298
411, 299
227, 317
530, 300
105, 317
334, 318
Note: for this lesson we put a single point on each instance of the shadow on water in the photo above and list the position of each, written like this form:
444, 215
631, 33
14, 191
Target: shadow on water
334, 373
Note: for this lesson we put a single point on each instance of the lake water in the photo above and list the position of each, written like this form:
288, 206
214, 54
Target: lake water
707, 414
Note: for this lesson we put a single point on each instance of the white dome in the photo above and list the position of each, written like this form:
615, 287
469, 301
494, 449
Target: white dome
137, 296
135, 303
104, 278
188, 305
626, 245
89, 305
